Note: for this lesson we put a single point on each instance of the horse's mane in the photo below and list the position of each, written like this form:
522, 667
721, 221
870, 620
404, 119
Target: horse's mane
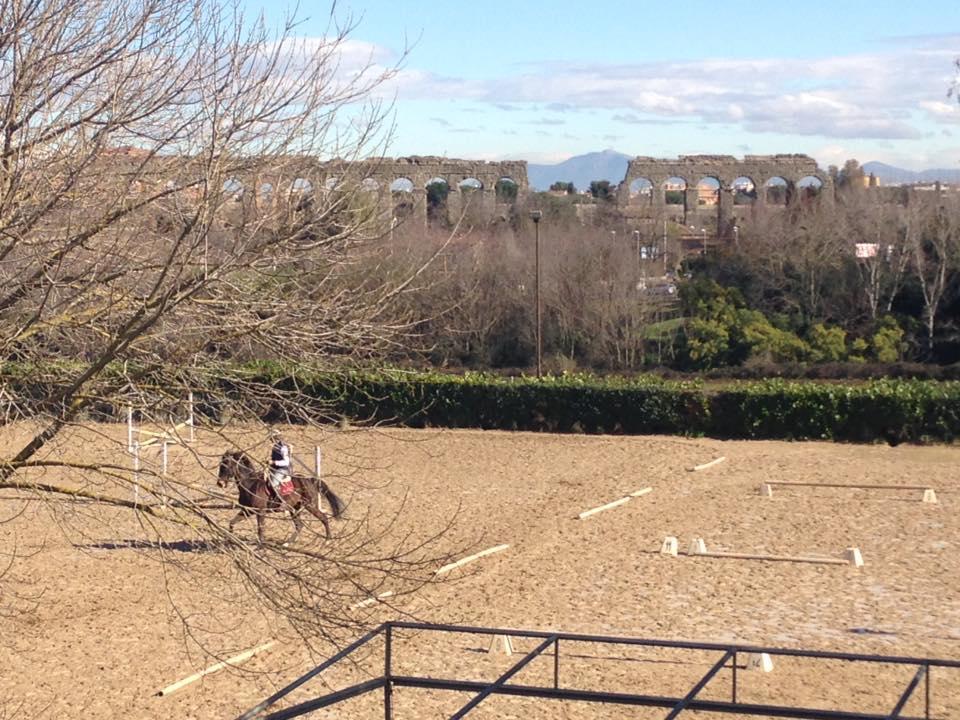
245, 460
241, 459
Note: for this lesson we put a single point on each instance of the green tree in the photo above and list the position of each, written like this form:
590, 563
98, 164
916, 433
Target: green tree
850, 175
708, 343
601, 190
762, 340
437, 192
565, 187
506, 190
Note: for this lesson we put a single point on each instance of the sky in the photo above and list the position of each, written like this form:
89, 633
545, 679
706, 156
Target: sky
543, 81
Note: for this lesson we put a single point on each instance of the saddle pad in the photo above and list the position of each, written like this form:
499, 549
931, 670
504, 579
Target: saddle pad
286, 487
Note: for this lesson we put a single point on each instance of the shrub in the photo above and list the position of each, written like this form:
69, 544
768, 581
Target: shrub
708, 342
764, 340
827, 344
887, 342
916, 410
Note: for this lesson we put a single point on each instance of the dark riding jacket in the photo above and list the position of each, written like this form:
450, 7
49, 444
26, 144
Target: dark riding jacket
280, 456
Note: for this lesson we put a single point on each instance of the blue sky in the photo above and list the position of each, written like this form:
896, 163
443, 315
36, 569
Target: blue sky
543, 81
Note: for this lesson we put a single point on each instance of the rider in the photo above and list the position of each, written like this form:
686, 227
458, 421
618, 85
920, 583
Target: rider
279, 465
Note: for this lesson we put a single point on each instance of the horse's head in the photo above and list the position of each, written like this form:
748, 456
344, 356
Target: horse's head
229, 468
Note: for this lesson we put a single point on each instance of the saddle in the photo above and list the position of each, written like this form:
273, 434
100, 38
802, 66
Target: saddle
286, 488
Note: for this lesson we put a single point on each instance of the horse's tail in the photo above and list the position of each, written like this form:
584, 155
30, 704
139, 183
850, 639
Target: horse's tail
336, 504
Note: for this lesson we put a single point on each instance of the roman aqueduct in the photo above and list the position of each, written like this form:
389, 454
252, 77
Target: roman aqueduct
688, 188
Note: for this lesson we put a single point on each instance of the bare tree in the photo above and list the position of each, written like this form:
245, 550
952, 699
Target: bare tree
933, 236
879, 229
176, 195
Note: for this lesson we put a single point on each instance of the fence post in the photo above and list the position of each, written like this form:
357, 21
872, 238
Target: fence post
556, 664
387, 674
734, 676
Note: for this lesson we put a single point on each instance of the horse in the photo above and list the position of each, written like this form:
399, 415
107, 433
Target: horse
258, 498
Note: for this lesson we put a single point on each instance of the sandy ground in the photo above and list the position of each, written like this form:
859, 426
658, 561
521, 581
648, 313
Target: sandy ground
109, 622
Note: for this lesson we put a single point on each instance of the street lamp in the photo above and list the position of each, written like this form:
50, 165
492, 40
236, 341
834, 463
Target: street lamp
535, 215
664, 246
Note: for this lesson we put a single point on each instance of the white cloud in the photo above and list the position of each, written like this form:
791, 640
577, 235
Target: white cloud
944, 112
876, 96
832, 155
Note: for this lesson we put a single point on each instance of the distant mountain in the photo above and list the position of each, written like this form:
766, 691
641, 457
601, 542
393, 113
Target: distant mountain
890, 175
580, 170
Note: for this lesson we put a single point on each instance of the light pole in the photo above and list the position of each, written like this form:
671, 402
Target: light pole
535, 215
664, 247
636, 236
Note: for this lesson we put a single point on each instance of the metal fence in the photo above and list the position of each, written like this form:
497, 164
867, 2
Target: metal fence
727, 660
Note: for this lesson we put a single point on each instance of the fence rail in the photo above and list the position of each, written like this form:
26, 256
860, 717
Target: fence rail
675, 705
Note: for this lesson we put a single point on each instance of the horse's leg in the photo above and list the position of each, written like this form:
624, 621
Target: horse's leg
321, 516
297, 524
236, 518
260, 518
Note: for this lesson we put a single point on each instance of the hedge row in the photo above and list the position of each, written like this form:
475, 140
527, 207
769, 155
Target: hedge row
893, 410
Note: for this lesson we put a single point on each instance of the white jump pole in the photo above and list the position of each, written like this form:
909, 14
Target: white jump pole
163, 457
190, 418
316, 468
135, 449
129, 428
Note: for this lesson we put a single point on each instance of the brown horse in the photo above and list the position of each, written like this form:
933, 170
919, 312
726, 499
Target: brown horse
258, 498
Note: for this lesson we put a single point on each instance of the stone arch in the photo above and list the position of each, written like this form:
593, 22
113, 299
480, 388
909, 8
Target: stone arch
370, 185
674, 190
641, 191
265, 195
401, 192
232, 189
301, 193
708, 191
777, 190
402, 185
437, 190
506, 189
744, 190
809, 187
301, 186
469, 184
